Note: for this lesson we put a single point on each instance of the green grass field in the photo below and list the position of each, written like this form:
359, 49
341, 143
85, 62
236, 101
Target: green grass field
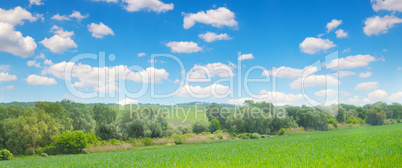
379, 146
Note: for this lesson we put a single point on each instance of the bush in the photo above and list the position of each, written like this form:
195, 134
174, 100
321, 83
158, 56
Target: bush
375, 118
220, 136
132, 141
146, 141
50, 150
5, 154
71, 142
255, 136
44, 155
282, 131
214, 125
200, 126
178, 141
244, 136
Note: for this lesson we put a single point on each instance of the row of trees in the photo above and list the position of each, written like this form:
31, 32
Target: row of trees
27, 129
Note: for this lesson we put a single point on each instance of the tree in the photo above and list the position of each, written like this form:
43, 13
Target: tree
82, 119
200, 126
214, 125
375, 118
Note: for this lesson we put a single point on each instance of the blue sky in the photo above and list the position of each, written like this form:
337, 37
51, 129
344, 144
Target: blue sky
362, 38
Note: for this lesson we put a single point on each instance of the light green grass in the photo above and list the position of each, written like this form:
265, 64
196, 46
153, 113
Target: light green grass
379, 146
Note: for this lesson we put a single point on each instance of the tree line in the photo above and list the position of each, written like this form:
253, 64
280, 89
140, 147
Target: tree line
66, 126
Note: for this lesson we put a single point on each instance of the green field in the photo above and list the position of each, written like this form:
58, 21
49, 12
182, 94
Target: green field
379, 146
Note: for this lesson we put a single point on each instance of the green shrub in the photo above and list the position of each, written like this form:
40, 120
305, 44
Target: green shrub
255, 136
282, 131
115, 142
178, 141
5, 154
205, 133
146, 141
132, 141
50, 150
44, 155
244, 136
71, 142
220, 136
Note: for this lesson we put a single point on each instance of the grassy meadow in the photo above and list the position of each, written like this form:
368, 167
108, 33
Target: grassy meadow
373, 146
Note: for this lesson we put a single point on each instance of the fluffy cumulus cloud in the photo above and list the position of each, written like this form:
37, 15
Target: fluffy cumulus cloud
103, 79
245, 57
378, 25
204, 73
60, 42
210, 36
351, 62
126, 101
341, 33
365, 75
14, 42
5, 77
377, 95
390, 5
141, 54
33, 63
40, 80
99, 30
312, 45
314, 80
148, 5
277, 98
183, 46
291, 73
343, 74
326, 93
367, 86
216, 17
35, 2
17, 16
77, 15
333, 24
212, 91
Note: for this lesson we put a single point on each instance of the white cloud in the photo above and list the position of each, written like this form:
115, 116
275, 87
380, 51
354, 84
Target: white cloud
365, 75
13, 42
4, 68
40, 56
245, 57
40, 80
103, 79
100, 30
390, 5
341, 33
291, 73
212, 91
141, 54
333, 24
33, 63
47, 62
35, 2
9, 87
17, 16
210, 37
377, 95
314, 80
326, 93
346, 50
379, 25
396, 97
312, 45
216, 17
203, 73
342, 74
77, 15
354, 100
127, 101
60, 42
149, 5
350, 62
4, 77
277, 98
367, 86
183, 46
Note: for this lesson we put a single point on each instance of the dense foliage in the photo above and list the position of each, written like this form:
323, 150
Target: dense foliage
69, 127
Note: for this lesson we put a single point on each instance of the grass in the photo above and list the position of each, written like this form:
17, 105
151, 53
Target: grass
379, 146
